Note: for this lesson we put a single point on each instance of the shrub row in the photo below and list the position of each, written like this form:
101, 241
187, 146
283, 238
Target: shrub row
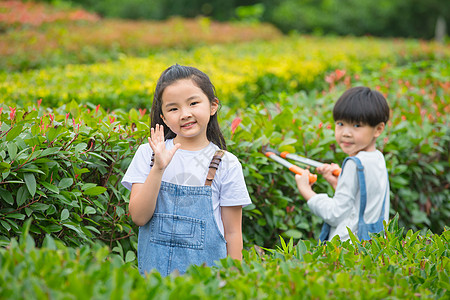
391, 266
63, 167
243, 73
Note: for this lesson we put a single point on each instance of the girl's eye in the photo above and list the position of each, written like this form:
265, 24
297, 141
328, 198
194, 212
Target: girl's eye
339, 124
172, 109
357, 125
194, 103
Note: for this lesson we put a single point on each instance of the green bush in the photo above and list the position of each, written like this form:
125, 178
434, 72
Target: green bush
67, 177
62, 169
391, 266
415, 144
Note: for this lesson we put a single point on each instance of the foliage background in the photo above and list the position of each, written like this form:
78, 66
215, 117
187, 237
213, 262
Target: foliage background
74, 107
400, 18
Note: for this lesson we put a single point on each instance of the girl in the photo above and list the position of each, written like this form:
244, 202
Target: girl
187, 192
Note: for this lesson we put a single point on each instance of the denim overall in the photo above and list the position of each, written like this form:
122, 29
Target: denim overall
182, 230
363, 228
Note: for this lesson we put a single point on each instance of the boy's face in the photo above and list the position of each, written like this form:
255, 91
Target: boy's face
356, 137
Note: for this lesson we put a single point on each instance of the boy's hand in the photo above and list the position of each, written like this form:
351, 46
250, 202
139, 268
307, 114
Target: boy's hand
303, 185
156, 141
327, 172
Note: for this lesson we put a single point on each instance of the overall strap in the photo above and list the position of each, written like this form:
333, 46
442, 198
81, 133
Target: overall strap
362, 185
213, 166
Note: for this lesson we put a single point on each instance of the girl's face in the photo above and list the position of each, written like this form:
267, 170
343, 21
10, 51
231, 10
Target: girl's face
356, 137
186, 110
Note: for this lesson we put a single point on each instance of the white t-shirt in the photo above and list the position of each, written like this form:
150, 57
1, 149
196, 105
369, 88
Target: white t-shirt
342, 210
190, 168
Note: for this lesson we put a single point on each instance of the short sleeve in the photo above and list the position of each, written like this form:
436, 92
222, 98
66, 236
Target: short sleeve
139, 167
233, 190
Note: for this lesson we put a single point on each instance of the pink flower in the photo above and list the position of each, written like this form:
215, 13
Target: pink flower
39, 102
1, 109
142, 111
112, 119
339, 74
12, 112
52, 117
235, 124
96, 108
320, 125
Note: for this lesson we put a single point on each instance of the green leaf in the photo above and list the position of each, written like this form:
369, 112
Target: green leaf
25, 170
14, 132
12, 150
94, 191
50, 151
80, 147
6, 195
50, 187
30, 181
65, 183
89, 210
64, 214
131, 256
4, 166
22, 196
5, 225
16, 216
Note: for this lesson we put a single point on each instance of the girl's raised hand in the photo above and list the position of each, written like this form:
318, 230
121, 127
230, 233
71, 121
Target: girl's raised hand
162, 155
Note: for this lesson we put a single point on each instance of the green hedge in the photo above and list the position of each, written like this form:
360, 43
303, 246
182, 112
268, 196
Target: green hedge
63, 167
392, 266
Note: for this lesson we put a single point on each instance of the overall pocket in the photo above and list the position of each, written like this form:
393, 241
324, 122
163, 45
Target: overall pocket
177, 231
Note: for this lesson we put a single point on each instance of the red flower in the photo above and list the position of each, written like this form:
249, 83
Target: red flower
235, 124
12, 112
112, 119
339, 74
142, 111
39, 102
96, 109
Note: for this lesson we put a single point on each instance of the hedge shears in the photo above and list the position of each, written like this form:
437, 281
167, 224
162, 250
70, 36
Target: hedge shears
293, 168
301, 159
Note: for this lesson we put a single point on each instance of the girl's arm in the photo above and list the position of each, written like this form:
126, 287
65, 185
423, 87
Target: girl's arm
144, 195
232, 225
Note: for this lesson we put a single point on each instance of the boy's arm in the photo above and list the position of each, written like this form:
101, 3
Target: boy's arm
333, 210
232, 225
327, 172
303, 185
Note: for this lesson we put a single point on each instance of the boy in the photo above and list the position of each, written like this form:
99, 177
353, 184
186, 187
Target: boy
361, 200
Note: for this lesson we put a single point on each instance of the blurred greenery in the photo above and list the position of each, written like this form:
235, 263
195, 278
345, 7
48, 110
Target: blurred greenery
400, 18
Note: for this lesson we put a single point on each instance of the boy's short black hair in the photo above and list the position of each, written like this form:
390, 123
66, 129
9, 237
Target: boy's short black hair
362, 105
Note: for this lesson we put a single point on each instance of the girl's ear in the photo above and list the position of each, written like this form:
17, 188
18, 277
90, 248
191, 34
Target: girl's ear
379, 129
162, 118
214, 106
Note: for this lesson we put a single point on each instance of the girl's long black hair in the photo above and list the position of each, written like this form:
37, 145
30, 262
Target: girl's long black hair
173, 74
